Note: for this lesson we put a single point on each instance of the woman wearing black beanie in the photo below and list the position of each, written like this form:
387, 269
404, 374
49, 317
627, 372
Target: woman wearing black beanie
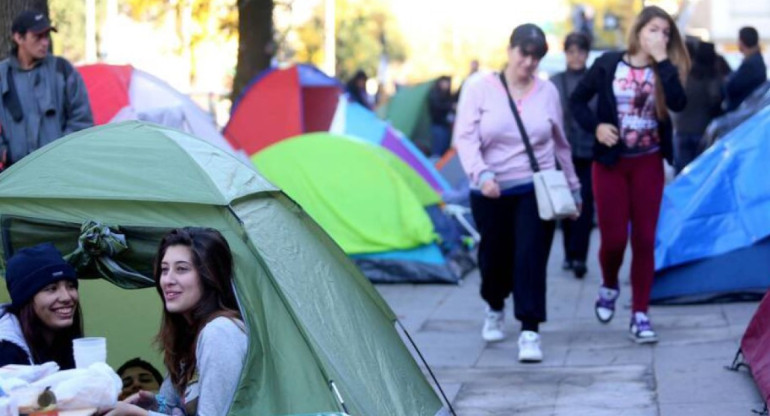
44, 314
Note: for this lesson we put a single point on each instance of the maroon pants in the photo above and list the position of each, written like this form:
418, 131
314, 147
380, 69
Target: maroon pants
629, 193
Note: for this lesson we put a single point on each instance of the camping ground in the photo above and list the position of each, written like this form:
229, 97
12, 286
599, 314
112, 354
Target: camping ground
589, 369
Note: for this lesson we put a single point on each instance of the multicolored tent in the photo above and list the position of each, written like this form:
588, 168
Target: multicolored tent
122, 92
713, 236
368, 200
353, 119
301, 99
408, 112
315, 323
281, 103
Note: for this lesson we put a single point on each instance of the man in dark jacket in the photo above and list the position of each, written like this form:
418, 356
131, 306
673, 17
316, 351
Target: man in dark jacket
43, 97
751, 74
577, 233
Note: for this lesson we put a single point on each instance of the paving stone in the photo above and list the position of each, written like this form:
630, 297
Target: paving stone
711, 409
589, 369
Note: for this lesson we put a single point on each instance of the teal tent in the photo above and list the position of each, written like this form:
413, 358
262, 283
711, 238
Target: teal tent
315, 323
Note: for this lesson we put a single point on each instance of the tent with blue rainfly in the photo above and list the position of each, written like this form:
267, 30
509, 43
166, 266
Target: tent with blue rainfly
316, 325
369, 201
713, 236
352, 119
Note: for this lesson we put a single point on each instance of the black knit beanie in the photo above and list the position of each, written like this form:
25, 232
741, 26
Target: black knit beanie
33, 268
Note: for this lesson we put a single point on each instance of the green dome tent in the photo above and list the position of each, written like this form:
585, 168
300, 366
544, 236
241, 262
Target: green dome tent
369, 201
344, 183
314, 321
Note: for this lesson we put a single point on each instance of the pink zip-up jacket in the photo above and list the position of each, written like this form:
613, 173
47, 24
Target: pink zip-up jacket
487, 138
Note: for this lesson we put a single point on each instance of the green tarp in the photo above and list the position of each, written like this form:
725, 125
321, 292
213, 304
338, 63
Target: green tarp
312, 317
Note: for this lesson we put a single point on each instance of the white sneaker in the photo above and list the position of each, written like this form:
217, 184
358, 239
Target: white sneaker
529, 347
493, 326
605, 304
641, 330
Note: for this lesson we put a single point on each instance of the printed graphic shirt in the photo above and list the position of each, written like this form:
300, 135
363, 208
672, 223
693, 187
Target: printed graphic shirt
634, 89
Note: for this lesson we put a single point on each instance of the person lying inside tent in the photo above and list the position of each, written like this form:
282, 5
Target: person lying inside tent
44, 315
137, 375
202, 333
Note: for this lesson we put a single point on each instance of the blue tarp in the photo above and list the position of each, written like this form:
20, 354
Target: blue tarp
721, 201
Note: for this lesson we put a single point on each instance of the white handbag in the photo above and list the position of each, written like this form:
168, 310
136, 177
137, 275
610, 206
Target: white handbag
554, 198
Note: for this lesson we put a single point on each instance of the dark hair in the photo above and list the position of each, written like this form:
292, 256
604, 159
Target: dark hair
748, 36
60, 348
138, 362
213, 262
579, 39
530, 39
704, 63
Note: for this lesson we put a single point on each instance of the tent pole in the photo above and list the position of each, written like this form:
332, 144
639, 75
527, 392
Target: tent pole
433, 376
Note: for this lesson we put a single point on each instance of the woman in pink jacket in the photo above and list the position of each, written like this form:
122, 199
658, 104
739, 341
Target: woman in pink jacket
515, 242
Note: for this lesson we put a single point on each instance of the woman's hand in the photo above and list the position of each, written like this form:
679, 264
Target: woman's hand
576, 215
125, 409
490, 189
655, 46
607, 134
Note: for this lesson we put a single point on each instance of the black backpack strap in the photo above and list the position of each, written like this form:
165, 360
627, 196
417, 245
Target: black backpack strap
64, 67
11, 98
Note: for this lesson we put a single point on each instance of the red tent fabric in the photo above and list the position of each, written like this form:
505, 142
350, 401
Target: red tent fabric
282, 103
107, 87
122, 92
755, 346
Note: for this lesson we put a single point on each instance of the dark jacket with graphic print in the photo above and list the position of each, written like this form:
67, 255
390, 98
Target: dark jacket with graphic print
598, 82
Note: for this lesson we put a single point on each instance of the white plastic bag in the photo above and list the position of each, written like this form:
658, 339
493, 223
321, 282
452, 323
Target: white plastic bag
28, 373
96, 386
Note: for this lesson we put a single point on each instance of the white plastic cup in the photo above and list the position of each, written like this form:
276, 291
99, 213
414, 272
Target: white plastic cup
89, 350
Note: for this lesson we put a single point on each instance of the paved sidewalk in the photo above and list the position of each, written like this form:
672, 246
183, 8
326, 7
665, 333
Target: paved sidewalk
589, 369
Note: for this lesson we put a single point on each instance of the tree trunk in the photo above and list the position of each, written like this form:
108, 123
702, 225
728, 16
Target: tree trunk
8, 11
255, 44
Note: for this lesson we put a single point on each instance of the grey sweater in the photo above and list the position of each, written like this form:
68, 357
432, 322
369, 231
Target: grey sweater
220, 352
52, 103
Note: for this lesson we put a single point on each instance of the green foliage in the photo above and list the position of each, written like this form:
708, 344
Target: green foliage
69, 17
364, 31
208, 20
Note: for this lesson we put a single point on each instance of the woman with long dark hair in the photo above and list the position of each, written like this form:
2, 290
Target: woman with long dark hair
202, 335
44, 314
633, 136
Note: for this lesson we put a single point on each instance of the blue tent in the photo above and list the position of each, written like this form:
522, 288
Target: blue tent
713, 236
